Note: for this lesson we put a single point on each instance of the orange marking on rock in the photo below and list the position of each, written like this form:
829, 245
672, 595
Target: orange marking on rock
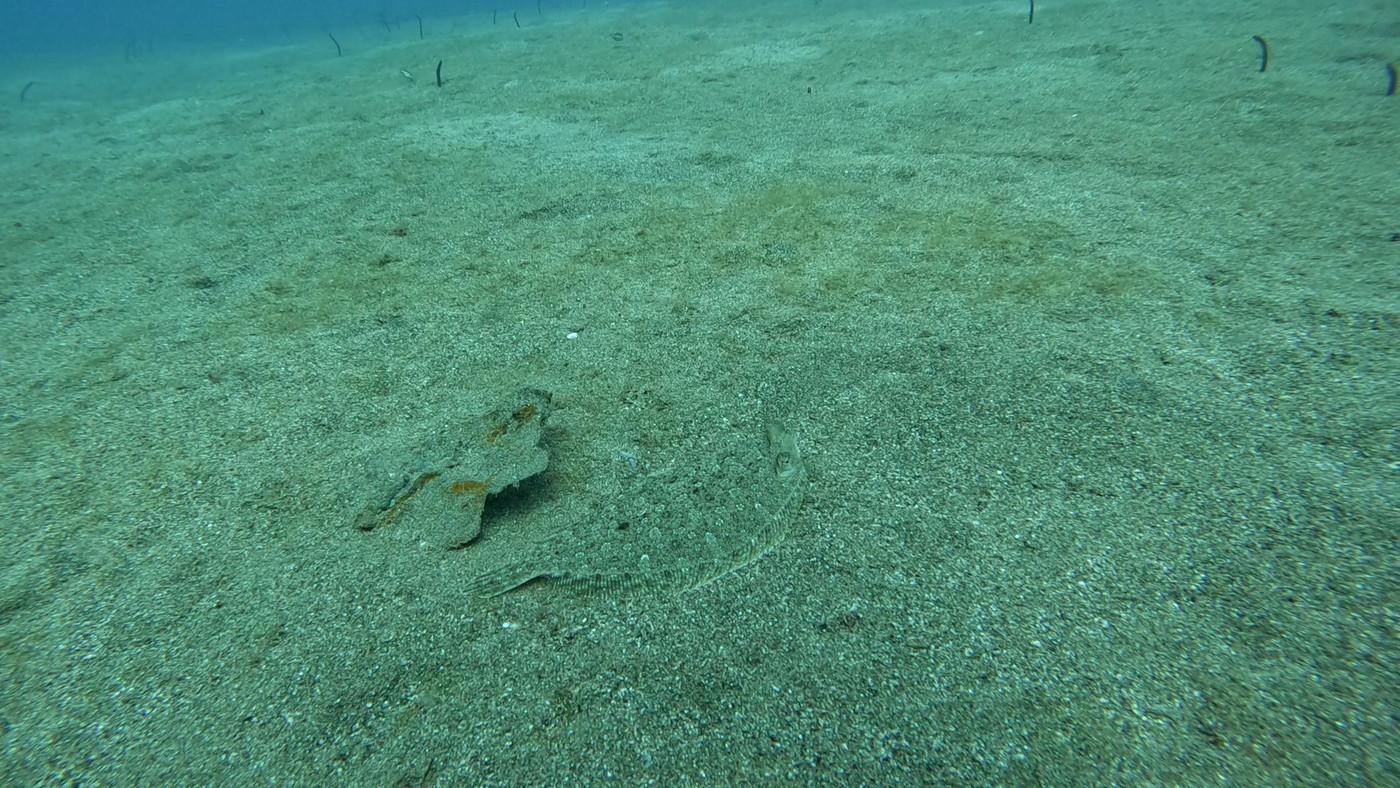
465, 486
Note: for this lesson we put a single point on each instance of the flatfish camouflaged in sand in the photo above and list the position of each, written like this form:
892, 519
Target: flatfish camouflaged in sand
441, 500
764, 521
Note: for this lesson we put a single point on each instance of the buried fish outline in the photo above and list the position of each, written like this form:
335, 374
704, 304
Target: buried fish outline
444, 505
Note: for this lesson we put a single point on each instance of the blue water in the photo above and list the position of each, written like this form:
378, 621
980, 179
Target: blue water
86, 24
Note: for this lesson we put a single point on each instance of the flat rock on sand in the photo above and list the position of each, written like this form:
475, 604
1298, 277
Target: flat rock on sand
442, 503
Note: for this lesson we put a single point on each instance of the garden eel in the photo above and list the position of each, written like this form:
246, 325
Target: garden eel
776, 510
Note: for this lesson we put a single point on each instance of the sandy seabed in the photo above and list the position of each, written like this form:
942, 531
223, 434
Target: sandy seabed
1087, 328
